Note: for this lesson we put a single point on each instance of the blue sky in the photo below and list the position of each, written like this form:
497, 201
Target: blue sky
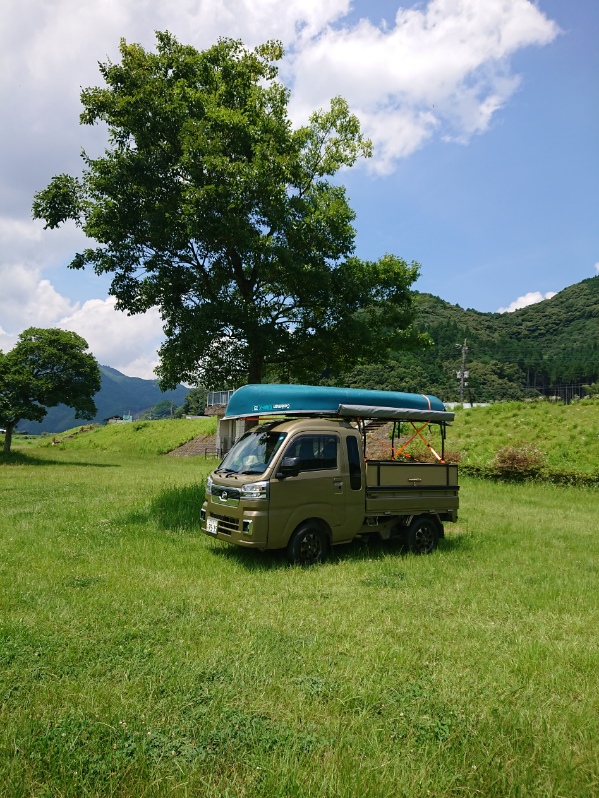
484, 117
516, 209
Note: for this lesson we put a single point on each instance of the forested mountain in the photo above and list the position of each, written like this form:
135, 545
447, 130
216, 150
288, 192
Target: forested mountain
539, 349
119, 395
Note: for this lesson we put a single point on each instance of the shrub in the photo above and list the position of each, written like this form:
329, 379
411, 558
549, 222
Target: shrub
578, 478
523, 458
453, 456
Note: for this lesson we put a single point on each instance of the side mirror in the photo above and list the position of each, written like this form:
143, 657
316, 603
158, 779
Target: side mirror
289, 467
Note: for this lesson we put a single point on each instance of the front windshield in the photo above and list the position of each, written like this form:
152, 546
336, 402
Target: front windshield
252, 453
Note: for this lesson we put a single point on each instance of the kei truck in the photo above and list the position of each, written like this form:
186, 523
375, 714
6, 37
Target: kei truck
299, 479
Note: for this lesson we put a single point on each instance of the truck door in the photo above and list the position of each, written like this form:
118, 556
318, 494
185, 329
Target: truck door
318, 491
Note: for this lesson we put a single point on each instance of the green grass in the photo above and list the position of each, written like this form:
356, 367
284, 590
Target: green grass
138, 657
568, 435
137, 437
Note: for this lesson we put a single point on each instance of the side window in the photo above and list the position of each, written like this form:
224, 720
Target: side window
316, 452
355, 467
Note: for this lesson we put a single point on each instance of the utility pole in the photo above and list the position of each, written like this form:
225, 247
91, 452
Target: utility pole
463, 374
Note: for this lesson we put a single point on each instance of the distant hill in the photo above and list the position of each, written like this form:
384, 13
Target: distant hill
550, 348
537, 350
118, 396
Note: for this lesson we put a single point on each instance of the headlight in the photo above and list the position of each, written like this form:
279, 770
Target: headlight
255, 490
209, 486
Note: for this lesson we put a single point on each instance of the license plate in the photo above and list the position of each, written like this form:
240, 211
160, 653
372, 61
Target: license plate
212, 526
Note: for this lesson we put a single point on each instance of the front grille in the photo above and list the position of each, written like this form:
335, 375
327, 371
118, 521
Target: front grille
225, 493
226, 524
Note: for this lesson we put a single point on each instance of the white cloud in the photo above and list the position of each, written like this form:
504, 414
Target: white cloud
440, 70
127, 343
597, 267
7, 340
443, 68
27, 300
528, 299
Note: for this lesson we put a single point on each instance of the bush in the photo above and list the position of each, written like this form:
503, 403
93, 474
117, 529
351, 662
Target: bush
453, 456
524, 458
579, 479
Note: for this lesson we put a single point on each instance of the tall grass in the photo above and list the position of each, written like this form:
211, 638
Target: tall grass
139, 657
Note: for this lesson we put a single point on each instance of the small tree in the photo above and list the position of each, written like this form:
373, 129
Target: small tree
46, 368
194, 403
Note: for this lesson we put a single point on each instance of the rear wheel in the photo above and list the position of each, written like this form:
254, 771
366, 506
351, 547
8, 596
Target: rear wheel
308, 545
423, 535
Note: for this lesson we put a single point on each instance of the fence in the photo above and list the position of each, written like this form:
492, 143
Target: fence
218, 397
567, 393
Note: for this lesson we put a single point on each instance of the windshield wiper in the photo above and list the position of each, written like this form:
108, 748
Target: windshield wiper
225, 471
252, 471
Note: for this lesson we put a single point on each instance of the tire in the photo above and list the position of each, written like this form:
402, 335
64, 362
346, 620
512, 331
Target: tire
423, 535
308, 545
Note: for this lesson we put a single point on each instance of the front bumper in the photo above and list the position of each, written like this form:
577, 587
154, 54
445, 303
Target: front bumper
243, 524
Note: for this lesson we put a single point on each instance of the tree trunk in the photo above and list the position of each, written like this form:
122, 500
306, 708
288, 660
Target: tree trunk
255, 368
8, 437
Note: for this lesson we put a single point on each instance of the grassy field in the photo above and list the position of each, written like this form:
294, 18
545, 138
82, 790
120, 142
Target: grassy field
138, 437
138, 657
567, 435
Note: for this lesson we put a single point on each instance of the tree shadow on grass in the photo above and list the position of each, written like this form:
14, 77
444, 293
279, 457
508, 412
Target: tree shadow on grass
20, 459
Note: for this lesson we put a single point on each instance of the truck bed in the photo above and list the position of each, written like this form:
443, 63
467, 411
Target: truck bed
404, 488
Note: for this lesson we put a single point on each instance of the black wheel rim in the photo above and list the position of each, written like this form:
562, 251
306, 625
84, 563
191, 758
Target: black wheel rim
424, 539
310, 549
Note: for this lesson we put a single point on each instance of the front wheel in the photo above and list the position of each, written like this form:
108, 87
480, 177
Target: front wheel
423, 535
308, 545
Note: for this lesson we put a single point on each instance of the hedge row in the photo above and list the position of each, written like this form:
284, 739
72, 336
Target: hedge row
577, 478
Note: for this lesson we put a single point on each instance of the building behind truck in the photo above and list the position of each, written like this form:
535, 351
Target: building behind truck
297, 476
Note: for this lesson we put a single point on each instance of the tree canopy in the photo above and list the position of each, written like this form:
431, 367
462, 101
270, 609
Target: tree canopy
209, 205
194, 403
46, 368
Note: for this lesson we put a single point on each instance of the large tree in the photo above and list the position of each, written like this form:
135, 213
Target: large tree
208, 204
43, 369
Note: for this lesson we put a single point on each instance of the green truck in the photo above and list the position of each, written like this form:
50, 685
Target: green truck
298, 478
